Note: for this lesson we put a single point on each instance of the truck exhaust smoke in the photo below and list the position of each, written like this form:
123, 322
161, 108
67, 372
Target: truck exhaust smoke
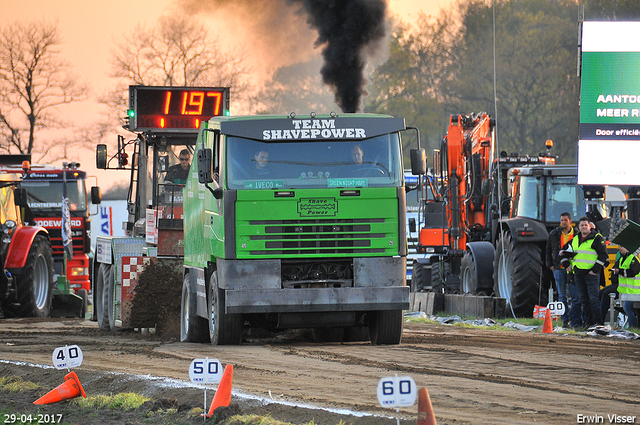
346, 29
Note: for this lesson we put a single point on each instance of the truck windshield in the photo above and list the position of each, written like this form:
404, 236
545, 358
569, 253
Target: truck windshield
374, 162
47, 195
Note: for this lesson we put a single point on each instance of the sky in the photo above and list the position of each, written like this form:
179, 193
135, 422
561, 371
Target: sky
89, 30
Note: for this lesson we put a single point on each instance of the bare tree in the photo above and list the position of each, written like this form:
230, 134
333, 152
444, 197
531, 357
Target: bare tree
34, 81
178, 51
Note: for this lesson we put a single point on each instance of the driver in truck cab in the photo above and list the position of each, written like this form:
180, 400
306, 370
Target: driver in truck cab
357, 155
261, 161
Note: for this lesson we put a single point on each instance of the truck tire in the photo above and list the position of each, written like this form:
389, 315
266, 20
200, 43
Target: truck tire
517, 274
35, 282
193, 328
420, 277
104, 275
385, 327
224, 329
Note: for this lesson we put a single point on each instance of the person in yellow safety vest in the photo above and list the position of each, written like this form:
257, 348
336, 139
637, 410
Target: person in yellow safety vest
558, 238
589, 257
628, 267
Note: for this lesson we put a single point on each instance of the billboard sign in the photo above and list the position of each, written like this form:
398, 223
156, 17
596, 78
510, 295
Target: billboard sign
610, 104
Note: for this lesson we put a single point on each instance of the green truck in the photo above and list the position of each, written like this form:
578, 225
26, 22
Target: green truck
283, 222
296, 223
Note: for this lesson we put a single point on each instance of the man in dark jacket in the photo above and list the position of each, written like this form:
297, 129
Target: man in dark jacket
589, 256
559, 237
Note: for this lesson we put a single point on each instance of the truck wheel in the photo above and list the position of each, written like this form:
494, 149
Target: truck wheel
35, 282
517, 274
193, 328
385, 327
420, 277
82, 293
224, 329
104, 276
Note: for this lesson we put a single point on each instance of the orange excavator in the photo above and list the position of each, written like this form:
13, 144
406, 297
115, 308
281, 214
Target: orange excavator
486, 223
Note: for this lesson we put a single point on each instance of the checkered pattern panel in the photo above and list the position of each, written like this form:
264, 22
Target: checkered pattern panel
132, 267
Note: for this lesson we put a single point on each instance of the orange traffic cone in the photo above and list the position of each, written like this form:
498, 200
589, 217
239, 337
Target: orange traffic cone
223, 394
547, 327
425, 411
70, 388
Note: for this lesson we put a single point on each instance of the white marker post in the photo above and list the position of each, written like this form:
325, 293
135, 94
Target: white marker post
205, 371
67, 357
397, 391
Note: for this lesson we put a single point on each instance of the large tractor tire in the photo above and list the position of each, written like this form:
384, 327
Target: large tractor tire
224, 329
420, 277
517, 275
35, 282
385, 327
104, 275
438, 276
193, 328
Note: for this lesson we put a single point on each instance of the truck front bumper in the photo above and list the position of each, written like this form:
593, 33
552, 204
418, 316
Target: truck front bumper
301, 300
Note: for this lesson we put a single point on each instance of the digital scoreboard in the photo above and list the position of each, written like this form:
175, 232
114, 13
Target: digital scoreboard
175, 109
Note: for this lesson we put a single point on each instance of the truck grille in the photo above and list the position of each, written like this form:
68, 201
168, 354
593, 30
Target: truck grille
56, 241
324, 236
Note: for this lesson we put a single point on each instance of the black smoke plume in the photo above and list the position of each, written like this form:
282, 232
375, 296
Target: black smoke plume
346, 29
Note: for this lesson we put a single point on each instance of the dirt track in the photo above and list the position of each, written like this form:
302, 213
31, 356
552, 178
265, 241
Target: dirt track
474, 376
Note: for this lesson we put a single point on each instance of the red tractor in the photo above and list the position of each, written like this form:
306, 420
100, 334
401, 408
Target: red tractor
26, 286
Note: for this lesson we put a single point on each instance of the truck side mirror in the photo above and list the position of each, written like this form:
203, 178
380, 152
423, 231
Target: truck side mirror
204, 166
418, 162
412, 224
96, 195
101, 157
